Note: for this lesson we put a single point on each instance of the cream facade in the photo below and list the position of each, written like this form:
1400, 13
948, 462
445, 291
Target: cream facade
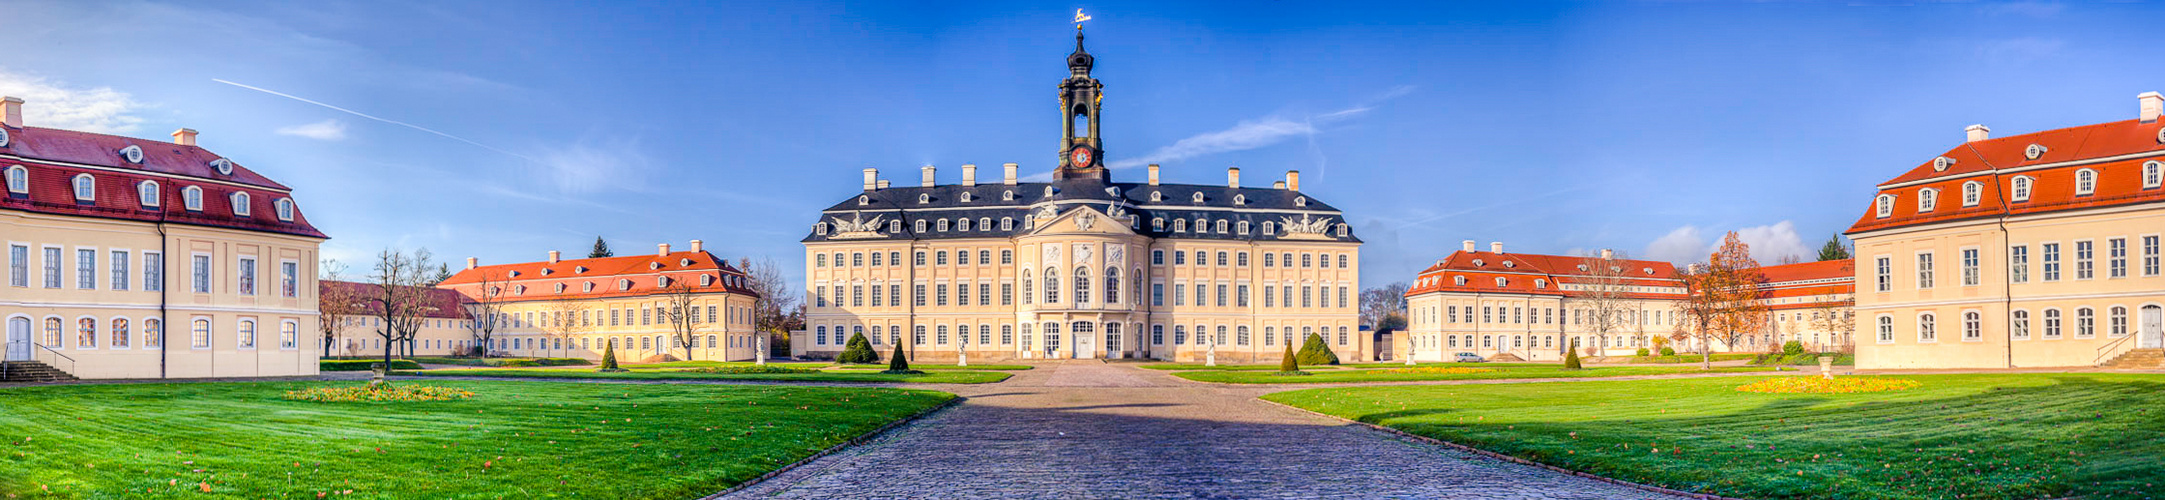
1500, 305
2037, 250
1081, 267
579, 307
129, 258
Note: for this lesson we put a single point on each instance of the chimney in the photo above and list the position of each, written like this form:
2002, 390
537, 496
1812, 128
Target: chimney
664, 249
1007, 175
883, 183
969, 174
2152, 105
184, 137
698, 246
472, 262
1607, 254
554, 256
1495, 247
928, 176
1978, 132
1232, 177
871, 179
1468, 245
11, 111
1153, 174
1293, 180
1277, 185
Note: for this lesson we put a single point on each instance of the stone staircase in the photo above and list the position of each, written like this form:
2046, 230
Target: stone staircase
33, 372
2137, 359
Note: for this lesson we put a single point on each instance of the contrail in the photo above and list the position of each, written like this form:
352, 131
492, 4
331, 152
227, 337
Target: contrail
372, 117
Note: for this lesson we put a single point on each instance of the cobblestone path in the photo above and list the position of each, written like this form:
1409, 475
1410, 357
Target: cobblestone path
1090, 430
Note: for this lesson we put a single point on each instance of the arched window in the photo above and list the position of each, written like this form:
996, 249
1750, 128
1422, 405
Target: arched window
1269, 228
285, 209
86, 187
120, 333
241, 207
245, 336
289, 335
191, 198
18, 180
1927, 199
2020, 325
1027, 293
146, 194
2116, 321
1972, 192
1886, 206
1198, 198
923, 198
1973, 326
1112, 285
2085, 182
1240, 199
1082, 285
1221, 226
1052, 286
962, 224
199, 334
1886, 329
86, 333
2153, 174
2085, 323
2019, 189
153, 333
1180, 225
1927, 328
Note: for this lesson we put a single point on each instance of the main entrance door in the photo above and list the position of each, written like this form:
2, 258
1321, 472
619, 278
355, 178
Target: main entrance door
1082, 331
18, 340
2153, 328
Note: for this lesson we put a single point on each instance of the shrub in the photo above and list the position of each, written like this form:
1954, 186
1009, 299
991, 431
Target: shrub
1792, 348
858, 351
361, 365
608, 360
1571, 360
1288, 364
1668, 352
1643, 353
899, 363
1315, 352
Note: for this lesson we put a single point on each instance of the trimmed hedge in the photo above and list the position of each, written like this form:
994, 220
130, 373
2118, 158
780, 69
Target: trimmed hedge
361, 365
503, 361
1315, 352
858, 351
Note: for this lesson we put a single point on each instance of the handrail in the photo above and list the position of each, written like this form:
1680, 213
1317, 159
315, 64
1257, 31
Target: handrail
69, 369
2111, 349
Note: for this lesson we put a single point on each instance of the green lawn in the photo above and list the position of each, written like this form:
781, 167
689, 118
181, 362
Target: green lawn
934, 377
1494, 371
1686, 358
1958, 436
821, 364
916, 366
512, 440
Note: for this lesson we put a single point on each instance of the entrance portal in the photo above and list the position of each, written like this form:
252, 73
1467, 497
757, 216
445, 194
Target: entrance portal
18, 340
2153, 328
1082, 331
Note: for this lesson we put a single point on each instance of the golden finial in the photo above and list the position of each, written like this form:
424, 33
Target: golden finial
1079, 18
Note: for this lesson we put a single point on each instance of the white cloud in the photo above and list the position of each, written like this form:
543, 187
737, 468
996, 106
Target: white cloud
1244, 136
1682, 245
588, 166
55, 104
1769, 244
328, 130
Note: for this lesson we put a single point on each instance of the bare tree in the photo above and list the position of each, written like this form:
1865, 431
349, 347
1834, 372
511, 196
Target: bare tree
563, 320
400, 299
1605, 291
1381, 305
777, 310
1837, 321
486, 306
680, 312
335, 303
1723, 298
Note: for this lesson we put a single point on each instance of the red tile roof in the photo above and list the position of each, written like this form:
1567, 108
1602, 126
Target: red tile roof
2116, 150
1809, 279
1520, 271
54, 157
540, 278
443, 303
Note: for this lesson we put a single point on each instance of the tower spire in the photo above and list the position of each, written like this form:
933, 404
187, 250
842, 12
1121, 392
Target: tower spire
1081, 153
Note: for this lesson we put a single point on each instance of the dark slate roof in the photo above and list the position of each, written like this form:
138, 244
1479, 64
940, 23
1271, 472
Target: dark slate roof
988, 201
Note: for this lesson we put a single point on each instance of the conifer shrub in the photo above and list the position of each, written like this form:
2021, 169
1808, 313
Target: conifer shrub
1287, 364
1315, 352
899, 363
857, 351
1571, 360
608, 360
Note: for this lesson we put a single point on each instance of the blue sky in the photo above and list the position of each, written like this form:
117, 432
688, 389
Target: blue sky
1553, 127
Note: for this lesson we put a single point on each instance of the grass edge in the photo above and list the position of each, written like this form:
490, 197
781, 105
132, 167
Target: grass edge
860, 439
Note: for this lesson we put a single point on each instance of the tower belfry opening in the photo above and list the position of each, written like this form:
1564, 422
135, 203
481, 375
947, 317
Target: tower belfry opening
1081, 99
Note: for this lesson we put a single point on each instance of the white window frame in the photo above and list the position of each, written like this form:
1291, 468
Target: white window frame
285, 209
1885, 205
1927, 327
147, 194
1927, 199
2019, 188
85, 187
2085, 182
1973, 192
18, 179
191, 198
243, 205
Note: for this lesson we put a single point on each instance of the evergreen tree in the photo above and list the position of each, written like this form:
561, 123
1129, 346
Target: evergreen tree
1571, 359
1834, 250
1315, 352
899, 362
858, 351
601, 249
608, 359
1288, 364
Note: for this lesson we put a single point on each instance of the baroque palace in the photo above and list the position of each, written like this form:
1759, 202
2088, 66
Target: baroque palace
1501, 305
581, 307
1081, 266
2035, 250
112, 242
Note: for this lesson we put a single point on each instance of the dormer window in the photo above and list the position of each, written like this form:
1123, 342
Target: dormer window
1007, 223
132, 153
1583, 268
1157, 223
1940, 164
661, 281
1927, 199
923, 198
2085, 182
1198, 197
1201, 225
653, 265
965, 197
1886, 206
894, 226
1342, 229
962, 225
1479, 263
1180, 225
559, 288
1008, 195
706, 280
222, 165
1242, 228
1541, 283
984, 223
1508, 264
920, 225
514, 274
284, 207
943, 225
587, 287
684, 262
192, 198
1240, 200
2019, 189
623, 284
1156, 197
820, 229
578, 270
1300, 201
1221, 226
2034, 151
547, 271
518, 290
1648, 270
241, 205
1503, 282
864, 200
18, 180
86, 188
3, 138
1458, 280
1972, 193
1048, 191
2153, 174
1269, 228
146, 193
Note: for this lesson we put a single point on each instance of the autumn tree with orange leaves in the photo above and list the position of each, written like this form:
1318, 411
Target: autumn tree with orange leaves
1723, 301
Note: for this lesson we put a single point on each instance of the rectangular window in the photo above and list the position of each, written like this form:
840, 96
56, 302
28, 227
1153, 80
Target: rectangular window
1885, 274
1221, 295
1241, 296
2051, 256
1270, 299
118, 261
1202, 294
1157, 257
2149, 256
1180, 258
2018, 264
1287, 294
199, 274
919, 298
1157, 334
1451, 314
856, 295
153, 272
18, 265
1007, 294
1924, 270
2083, 262
1308, 296
248, 276
1180, 293
52, 267
2116, 258
86, 268
1969, 267
1342, 296
984, 294
876, 300
1157, 294
942, 288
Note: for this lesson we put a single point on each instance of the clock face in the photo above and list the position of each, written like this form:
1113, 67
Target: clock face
1081, 156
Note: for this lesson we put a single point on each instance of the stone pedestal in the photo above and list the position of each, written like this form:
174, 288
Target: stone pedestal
759, 357
1826, 367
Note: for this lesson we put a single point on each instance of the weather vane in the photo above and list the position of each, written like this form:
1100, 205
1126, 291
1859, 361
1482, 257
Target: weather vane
1079, 18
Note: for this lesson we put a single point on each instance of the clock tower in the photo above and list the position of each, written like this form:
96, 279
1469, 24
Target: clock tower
1081, 152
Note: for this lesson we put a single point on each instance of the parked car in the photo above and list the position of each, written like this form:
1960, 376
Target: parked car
1467, 357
